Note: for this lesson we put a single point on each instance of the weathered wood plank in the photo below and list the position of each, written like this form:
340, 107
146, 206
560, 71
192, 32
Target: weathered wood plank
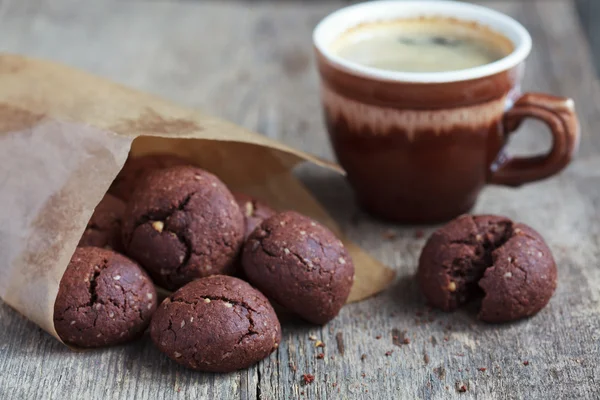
258, 72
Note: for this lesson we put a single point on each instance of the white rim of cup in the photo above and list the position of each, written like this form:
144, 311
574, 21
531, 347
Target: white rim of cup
340, 21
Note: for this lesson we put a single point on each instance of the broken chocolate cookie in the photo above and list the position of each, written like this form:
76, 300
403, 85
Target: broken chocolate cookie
103, 299
300, 264
506, 264
182, 223
216, 324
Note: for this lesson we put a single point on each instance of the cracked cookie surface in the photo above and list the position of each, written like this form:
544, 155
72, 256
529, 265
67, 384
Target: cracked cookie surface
507, 265
136, 167
182, 223
103, 299
300, 264
216, 324
254, 212
104, 228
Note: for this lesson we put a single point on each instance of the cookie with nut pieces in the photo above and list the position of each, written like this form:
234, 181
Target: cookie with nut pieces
507, 265
103, 299
216, 324
254, 211
182, 223
300, 264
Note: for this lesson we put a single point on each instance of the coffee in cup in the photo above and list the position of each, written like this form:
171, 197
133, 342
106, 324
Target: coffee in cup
421, 45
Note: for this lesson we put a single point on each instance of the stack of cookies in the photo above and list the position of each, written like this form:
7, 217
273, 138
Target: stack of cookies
165, 222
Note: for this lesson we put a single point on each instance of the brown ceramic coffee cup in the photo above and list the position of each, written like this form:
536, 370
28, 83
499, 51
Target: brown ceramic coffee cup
419, 147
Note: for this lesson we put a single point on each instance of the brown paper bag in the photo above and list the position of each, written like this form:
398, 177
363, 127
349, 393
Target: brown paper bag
64, 136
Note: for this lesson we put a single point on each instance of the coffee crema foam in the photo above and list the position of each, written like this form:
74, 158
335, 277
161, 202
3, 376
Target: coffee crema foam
422, 45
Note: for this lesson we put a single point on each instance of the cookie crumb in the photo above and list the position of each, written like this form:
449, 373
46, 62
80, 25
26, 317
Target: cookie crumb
318, 343
482, 369
363, 375
308, 379
363, 357
461, 388
320, 356
389, 353
525, 363
378, 337
312, 338
426, 358
339, 338
389, 235
440, 372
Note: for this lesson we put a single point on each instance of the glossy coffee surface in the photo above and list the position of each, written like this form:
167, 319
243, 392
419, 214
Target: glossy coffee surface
421, 45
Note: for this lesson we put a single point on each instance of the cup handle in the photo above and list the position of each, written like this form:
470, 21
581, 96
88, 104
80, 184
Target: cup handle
558, 113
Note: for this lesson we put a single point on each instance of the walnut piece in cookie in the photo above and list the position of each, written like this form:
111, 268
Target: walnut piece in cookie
136, 168
253, 210
300, 264
103, 299
507, 264
104, 228
182, 223
216, 324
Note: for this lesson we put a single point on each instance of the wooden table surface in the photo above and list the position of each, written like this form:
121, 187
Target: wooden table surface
252, 63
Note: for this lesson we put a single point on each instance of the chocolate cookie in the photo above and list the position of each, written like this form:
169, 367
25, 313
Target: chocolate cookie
104, 228
216, 324
103, 299
182, 223
253, 210
300, 264
507, 264
136, 167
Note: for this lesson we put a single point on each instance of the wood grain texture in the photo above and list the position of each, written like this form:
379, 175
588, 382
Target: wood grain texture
589, 12
254, 66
